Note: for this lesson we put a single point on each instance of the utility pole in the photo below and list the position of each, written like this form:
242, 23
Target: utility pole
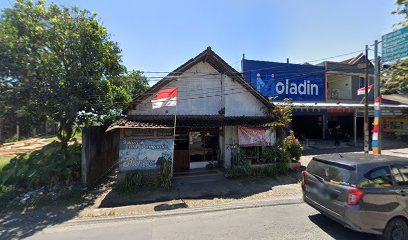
377, 92
376, 68
366, 128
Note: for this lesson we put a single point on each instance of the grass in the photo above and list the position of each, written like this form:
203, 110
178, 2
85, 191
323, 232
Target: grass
78, 136
4, 161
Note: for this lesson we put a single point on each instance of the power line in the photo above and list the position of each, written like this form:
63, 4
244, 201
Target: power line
217, 89
316, 60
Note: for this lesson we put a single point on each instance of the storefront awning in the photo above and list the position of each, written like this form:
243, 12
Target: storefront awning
337, 106
167, 121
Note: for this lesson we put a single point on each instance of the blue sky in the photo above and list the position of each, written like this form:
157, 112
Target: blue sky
161, 35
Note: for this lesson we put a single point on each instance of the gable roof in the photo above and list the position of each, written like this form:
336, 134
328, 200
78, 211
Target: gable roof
216, 62
355, 65
354, 60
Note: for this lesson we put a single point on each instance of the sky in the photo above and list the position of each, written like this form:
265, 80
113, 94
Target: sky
159, 36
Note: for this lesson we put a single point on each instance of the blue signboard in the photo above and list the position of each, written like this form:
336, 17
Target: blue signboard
283, 80
144, 154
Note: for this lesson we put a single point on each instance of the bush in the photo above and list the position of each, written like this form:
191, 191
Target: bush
275, 153
268, 171
251, 171
46, 167
292, 146
239, 171
282, 168
276, 156
133, 181
166, 175
137, 180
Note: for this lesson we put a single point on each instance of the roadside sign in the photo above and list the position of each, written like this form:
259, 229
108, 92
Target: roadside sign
144, 154
283, 80
395, 45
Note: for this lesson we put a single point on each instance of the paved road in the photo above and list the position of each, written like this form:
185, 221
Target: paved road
297, 221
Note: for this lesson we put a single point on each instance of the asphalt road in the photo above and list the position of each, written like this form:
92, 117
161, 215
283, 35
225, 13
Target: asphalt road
297, 221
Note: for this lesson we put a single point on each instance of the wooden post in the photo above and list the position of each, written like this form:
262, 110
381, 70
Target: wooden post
1, 129
18, 131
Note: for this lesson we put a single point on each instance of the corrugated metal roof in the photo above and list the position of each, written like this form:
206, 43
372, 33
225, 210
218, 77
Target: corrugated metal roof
396, 98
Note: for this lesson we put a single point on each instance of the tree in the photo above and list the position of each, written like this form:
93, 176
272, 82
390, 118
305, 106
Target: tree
395, 78
283, 117
63, 64
134, 82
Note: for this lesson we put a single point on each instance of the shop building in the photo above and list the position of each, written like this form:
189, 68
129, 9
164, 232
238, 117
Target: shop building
330, 98
302, 83
214, 103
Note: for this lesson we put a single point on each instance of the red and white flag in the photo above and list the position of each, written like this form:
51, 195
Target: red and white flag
165, 98
361, 91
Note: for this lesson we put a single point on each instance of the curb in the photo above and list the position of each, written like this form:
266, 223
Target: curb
192, 211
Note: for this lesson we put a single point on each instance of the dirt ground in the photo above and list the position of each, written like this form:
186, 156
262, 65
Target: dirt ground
286, 187
21, 147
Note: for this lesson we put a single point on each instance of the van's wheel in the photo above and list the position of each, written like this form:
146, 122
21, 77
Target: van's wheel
397, 229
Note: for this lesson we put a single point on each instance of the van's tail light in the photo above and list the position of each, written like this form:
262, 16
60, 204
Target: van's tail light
304, 178
354, 195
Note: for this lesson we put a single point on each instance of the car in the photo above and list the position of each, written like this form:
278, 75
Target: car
363, 192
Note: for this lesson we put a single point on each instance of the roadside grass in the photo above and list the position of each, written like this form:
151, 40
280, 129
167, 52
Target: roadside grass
51, 167
5, 160
77, 136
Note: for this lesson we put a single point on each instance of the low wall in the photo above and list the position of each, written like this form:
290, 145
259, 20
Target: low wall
100, 153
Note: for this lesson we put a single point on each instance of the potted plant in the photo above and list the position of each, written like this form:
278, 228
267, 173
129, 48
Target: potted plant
293, 147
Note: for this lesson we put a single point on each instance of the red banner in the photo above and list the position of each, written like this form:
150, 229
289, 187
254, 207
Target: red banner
256, 136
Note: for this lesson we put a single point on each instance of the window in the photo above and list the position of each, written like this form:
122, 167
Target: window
400, 175
379, 177
362, 82
203, 145
334, 173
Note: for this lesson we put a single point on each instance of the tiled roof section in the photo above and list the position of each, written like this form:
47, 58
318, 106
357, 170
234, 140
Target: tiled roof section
167, 121
354, 65
347, 68
125, 123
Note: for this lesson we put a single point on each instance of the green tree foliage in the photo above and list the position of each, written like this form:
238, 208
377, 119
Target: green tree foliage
60, 63
283, 117
395, 78
134, 82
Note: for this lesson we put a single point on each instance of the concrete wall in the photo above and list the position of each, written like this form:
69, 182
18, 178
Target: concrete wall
205, 91
339, 87
344, 87
100, 153
231, 143
240, 102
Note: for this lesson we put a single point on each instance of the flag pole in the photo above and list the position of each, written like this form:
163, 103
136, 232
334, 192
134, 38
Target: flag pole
174, 133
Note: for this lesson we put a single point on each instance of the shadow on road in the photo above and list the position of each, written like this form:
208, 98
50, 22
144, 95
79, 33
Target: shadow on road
337, 231
166, 207
22, 222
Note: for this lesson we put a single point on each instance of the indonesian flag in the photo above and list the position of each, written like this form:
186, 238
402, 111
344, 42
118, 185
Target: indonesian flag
361, 91
165, 98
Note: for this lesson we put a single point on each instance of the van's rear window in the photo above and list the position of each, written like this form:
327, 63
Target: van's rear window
334, 173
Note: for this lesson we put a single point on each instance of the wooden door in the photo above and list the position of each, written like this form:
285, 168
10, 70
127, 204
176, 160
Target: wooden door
181, 160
